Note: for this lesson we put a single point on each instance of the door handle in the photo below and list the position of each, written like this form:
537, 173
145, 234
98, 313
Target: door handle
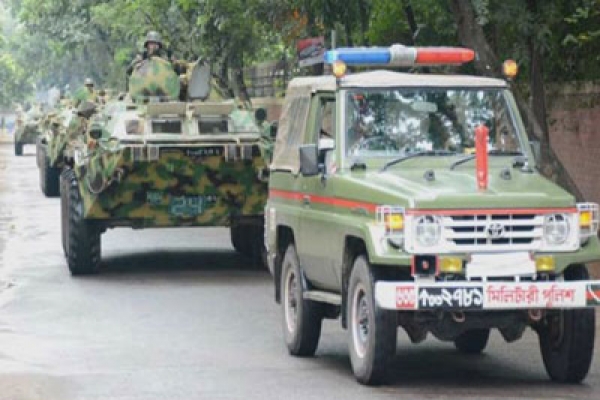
306, 200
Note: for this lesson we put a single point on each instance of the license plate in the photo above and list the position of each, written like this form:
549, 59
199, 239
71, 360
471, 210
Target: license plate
186, 206
500, 264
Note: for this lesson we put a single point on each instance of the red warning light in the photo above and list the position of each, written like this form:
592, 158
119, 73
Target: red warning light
443, 55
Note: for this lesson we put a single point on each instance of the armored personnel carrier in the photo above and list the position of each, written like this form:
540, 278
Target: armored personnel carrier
62, 130
28, 129
160, 162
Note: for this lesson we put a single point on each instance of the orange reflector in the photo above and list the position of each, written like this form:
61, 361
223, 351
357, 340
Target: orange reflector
510, 69
339, 69
443, 55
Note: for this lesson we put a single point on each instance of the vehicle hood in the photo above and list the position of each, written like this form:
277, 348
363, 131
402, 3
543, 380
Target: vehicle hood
456, 189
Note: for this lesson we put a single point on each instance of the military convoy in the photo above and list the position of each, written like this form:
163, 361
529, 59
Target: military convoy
413, 200
160, 162
392, 200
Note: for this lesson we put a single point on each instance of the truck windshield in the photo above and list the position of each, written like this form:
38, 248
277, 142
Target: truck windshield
398, 122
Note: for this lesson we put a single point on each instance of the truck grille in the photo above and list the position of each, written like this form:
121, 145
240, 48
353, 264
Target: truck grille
493, 232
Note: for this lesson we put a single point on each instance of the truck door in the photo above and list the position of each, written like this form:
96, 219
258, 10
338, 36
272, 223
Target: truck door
318, 238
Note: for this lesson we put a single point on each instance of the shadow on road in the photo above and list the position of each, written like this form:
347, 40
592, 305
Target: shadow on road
444, 372
174, 260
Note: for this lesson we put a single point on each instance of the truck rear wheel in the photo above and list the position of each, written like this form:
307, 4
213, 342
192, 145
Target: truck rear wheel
372, 331
567, 338
82, 236
472, 341
247, 238
49, 178
18, 149
66, 177
302, 318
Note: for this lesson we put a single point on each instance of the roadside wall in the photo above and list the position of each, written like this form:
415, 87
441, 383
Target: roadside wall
574, 120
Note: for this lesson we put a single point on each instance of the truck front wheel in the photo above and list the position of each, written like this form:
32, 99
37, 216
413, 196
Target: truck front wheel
302, 318
567, 338
82, 236
372, 331
472, 341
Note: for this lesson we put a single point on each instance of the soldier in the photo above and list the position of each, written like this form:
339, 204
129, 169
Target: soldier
153, 47
87, 93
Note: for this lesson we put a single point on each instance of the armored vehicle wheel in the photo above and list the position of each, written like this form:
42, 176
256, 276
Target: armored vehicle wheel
567, 338
301, 318
372, 331
49, 179
38, 152
247, 238
18, 149
82, 237
472, 341
65, 179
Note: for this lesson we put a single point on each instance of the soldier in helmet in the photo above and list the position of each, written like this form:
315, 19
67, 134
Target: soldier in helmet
153, 47
87, 93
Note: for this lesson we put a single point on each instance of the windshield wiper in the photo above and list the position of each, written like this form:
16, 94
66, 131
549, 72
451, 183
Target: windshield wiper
416, 154
491, 153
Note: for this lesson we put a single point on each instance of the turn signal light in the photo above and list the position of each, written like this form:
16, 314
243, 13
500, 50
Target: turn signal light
394, 222
585, 219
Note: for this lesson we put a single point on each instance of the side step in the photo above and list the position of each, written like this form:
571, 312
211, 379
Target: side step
323, 297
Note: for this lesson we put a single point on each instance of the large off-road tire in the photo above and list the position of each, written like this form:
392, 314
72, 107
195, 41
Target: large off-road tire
472, 341
49, 179
567, 338
372, 331
248, 239
83, 236
66, 177
18, 149
301, 318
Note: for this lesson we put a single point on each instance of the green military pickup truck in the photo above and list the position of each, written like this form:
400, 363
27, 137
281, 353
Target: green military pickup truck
413, 200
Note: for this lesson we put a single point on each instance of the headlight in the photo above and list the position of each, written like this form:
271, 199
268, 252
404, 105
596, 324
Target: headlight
588, 220
556, 229
428, 230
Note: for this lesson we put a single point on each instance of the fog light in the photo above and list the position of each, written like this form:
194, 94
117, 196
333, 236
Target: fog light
544, 264
451, 265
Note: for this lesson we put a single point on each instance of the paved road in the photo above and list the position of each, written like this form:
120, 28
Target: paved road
176, 314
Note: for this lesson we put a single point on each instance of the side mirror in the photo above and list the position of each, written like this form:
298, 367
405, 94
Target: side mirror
309, 160
536, 149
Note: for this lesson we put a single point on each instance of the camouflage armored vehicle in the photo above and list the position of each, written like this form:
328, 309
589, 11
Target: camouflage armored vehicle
413, 200
162, 163
28, 129
62, 132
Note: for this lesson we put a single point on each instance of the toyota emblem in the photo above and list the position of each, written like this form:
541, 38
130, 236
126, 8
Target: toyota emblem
495, 230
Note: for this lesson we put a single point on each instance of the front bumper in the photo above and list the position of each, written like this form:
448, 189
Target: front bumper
490, 295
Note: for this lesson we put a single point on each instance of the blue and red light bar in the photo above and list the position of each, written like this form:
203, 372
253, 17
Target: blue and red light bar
400, 56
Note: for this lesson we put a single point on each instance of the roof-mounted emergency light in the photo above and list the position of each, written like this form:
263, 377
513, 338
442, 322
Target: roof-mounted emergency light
400, 56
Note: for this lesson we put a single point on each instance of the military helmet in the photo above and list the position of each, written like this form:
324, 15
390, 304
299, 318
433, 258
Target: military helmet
153, 36
88, 82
